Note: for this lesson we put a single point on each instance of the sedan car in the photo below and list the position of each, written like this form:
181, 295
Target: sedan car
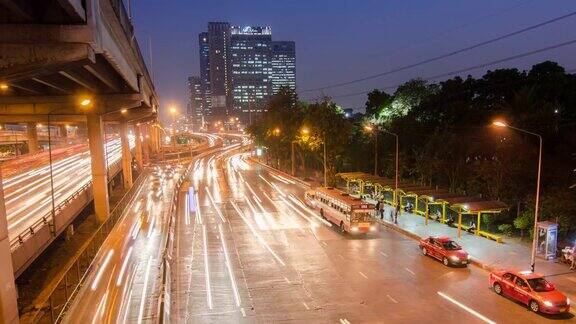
444, 249
530, 289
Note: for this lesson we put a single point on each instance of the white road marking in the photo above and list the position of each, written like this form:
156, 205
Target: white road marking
101, 269
344, 321
392, 299
411, 272
362, 274
207, 269
243, 312
384, 254
466, 308
324, 243
306, 305
229, 266
286, 279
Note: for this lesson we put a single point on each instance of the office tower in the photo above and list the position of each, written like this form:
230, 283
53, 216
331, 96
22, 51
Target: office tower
204, 47
283, 65
195, 107
251, 69
220, 81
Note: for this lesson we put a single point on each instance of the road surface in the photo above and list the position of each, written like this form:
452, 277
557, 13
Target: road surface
249, 251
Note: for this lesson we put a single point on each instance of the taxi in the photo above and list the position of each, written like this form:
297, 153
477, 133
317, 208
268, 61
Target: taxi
530, 289
444, 249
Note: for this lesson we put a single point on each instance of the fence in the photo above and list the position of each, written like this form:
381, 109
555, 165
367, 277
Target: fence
65, 285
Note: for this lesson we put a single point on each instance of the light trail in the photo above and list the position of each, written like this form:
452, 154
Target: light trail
186, 210
198, 213
101, 270
206, 268
214, 205
256, 234
124, 265
144, 289
229, 267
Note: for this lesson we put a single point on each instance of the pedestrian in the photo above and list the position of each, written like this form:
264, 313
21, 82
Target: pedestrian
382, 210
397, 212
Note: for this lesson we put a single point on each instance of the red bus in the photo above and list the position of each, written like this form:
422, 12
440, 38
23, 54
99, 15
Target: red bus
351, 214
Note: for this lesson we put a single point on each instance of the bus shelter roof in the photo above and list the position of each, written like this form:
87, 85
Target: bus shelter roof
483, 206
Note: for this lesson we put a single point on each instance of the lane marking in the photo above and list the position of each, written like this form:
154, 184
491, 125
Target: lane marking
362, 274
466, 308
344, 321
340, 255
392, 299
206, 269
306, 305
214, 205
229, 266
243, 312
324, 243
411, 272
384, 254
198, 213
286, 279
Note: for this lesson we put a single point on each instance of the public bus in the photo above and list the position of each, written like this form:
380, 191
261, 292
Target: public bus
350, 214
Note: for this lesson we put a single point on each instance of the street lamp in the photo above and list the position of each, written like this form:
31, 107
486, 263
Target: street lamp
503, 124
374, 130
305, 131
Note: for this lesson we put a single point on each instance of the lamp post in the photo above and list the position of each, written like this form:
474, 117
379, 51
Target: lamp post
305, 131
374, 130
534, 239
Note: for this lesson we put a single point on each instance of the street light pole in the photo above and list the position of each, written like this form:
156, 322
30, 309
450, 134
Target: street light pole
325, 169
376, 151
537, 203
396, 162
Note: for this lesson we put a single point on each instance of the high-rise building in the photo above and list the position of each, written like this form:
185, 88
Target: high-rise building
283, 65
240, 68
251, 68
204, 47
220, 81
195, 107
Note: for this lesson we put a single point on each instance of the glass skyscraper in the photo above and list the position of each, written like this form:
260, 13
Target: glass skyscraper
283, 65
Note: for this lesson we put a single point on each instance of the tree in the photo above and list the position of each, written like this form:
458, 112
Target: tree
377, 100
524, 221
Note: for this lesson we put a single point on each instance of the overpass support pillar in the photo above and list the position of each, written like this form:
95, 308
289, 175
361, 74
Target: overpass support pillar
146, 142
155, 139
99, 171
138, 146
8, 294
63, 131
126, 156
32, 137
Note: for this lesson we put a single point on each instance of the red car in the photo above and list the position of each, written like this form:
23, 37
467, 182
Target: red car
530, 289
444, 249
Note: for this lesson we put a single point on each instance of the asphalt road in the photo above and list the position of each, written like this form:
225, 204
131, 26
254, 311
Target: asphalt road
249, 251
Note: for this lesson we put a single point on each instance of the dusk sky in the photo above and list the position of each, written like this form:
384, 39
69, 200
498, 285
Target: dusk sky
338, 41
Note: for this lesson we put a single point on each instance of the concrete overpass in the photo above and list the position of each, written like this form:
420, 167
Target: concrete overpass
72, 61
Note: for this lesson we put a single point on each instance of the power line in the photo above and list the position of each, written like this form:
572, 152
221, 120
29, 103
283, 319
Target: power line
475, 67
439, 57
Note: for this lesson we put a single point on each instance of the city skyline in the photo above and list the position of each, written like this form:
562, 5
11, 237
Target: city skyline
353, 40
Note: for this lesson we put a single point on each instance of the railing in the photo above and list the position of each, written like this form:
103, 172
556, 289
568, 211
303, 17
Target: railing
48, 218
66, 284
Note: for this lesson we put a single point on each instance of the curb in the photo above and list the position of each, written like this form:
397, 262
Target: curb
473, 261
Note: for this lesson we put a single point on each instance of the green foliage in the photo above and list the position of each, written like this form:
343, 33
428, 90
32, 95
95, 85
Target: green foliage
506, 229
524, 221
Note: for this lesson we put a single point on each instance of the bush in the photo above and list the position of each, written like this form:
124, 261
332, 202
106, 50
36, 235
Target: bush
506, 229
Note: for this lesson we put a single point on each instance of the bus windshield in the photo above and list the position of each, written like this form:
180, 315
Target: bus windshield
362, 216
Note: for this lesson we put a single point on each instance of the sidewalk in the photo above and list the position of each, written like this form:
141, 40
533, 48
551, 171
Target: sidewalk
486, 254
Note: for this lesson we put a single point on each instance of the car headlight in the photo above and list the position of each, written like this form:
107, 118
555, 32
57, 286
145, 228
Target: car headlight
548, 303
454, 258
354, 229
567, 301
372, 228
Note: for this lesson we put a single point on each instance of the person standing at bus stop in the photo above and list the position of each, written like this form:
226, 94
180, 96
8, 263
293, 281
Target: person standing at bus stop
377, 207
396, 213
